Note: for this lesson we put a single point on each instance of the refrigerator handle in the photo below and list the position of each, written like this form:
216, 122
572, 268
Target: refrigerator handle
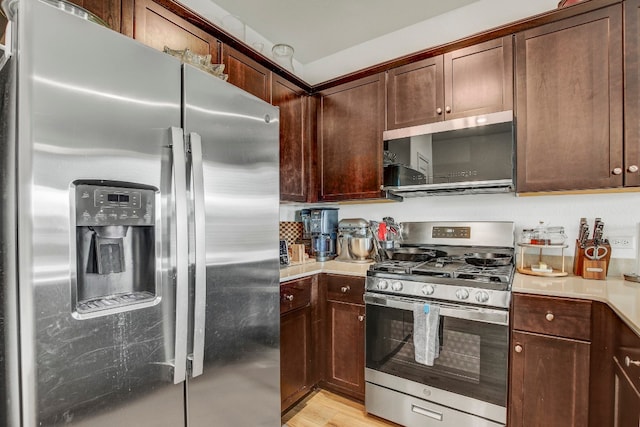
200, 290
182, 253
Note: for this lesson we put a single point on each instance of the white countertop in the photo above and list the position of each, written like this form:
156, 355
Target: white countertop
335, 267
622, 296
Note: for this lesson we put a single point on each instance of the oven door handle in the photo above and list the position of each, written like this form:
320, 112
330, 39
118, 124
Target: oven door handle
476, 314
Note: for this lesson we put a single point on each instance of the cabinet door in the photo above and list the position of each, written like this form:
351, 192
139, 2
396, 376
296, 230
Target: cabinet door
246, 73
632, 93
549, 381
479, 79
107, 10
415, 93
157, 27
351, 121
627, 400
295, 356
345, 348
294, 140
569, 103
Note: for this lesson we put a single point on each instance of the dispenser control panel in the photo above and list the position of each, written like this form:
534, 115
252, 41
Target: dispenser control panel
98, 205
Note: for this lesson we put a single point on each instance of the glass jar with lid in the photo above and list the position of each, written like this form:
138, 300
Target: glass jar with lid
543, 235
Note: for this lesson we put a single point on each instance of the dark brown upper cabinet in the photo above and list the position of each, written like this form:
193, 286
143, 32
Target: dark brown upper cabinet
350, 125
632, 93
474, 80
246, 73
158, 27
295, 147
569, 93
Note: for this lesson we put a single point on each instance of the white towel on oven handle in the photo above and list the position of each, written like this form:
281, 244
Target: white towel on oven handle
426, 341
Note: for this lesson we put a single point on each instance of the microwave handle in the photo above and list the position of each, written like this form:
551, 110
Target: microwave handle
477, 314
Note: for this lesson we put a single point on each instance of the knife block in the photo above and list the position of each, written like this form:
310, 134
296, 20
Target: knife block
588, 268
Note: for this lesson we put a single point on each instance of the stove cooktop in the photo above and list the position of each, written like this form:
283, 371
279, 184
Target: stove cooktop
448, 274
448, 278
439, 268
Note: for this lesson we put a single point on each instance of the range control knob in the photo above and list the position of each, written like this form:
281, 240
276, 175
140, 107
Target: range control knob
482, 296
396, 286
428, 289
462, 294
382, 284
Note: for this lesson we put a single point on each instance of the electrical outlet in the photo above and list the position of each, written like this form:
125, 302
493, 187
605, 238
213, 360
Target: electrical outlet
621, 242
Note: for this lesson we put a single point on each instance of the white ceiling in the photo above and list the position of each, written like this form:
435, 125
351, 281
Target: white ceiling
318, 28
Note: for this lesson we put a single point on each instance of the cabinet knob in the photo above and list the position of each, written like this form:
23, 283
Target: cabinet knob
288, 297
518, 348
361, 318
628, 361
617, 171
632, 169
345, 289
439, 110
447, 109
549, 317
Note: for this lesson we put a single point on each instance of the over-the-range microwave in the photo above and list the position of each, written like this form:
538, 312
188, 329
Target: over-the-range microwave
466, 155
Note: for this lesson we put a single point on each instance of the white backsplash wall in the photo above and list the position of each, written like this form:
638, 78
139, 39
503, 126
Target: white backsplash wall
620, 212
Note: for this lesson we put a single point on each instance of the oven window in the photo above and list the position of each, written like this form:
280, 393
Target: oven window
472, 360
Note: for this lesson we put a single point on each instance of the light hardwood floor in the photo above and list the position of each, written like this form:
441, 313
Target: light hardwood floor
324, 409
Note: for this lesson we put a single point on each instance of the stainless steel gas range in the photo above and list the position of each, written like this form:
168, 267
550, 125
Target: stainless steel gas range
446, 289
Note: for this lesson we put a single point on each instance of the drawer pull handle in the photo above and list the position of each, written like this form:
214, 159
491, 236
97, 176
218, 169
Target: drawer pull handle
289, 297
427, 412
549, 317
628, 361
345, 289
361, 318
518, 348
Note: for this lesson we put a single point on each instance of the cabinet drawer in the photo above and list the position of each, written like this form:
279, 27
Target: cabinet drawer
295, 294
561, 317
345, 289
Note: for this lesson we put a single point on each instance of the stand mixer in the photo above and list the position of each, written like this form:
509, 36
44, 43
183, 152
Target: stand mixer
354, 241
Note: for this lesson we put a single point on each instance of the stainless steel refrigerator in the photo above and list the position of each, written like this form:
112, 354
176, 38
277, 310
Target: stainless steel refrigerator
139, 235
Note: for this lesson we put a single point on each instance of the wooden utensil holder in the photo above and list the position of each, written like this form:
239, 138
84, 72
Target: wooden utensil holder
591, 268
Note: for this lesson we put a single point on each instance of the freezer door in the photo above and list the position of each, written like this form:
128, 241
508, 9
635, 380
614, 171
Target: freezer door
95, 109
238, 136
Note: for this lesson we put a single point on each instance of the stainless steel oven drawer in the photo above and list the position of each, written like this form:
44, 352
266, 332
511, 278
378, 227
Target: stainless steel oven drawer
413, 412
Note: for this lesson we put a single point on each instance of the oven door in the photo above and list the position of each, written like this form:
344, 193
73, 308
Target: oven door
473, 360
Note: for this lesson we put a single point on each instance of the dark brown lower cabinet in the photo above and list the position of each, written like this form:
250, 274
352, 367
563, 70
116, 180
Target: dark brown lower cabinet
550, 361
295, 356
344, 371
345, 348
626, 399
549, 381
296, 341
626, 374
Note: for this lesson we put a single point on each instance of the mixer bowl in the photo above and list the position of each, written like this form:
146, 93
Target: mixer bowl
360, 248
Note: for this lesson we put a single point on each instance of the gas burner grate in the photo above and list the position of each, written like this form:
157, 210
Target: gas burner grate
501, 274
394, 266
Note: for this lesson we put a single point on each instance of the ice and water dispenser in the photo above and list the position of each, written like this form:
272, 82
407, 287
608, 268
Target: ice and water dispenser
115, 246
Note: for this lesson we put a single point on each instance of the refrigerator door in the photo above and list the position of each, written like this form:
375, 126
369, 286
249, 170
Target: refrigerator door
96, 109
238, 133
